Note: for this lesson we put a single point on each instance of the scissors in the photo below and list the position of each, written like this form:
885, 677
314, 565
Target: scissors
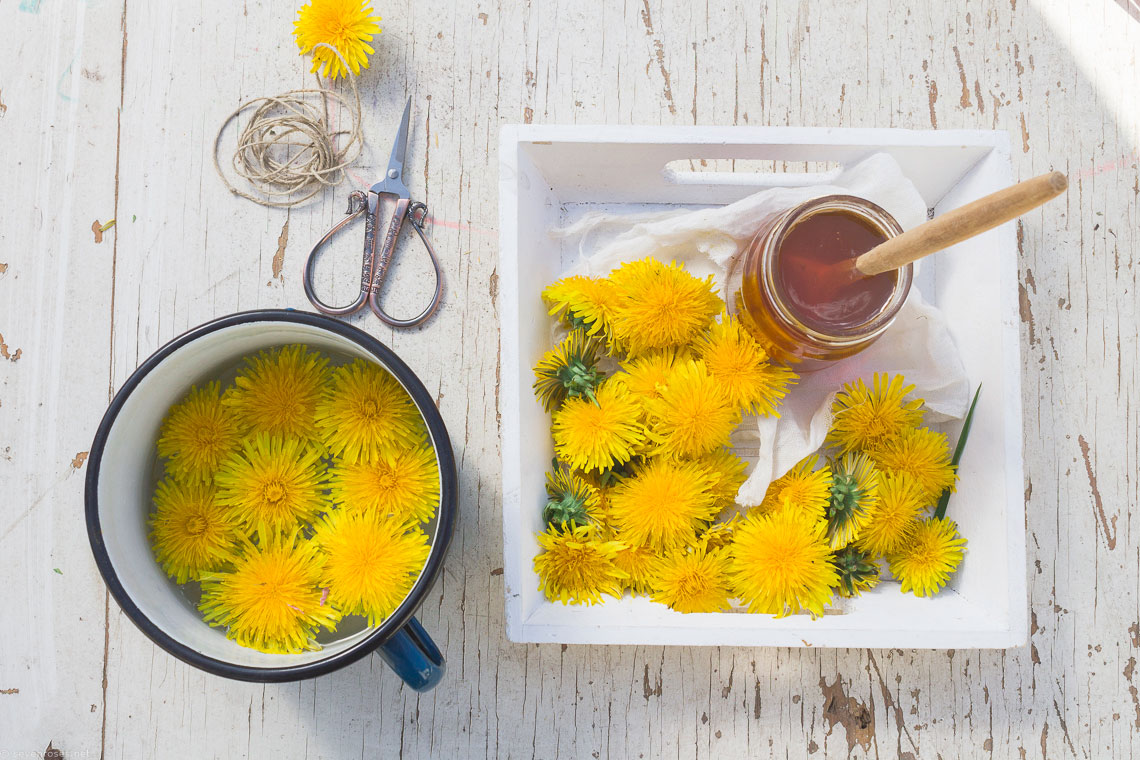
387, 204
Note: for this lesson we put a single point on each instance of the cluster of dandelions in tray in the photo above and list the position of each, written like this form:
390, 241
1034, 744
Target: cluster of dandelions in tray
296, 496
644, 392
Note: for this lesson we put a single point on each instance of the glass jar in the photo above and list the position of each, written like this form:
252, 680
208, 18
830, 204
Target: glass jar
789, 333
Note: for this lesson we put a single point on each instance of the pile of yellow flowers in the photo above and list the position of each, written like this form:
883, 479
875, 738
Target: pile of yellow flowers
645, 391
296, 496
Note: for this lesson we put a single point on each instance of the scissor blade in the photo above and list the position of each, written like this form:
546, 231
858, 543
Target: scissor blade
400, 147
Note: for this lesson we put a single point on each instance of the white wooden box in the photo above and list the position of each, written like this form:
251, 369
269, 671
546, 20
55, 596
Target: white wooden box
551, 175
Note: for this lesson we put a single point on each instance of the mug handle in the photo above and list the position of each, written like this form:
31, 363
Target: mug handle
413, 656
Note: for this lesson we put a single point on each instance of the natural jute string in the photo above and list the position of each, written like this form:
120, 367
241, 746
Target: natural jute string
286, 151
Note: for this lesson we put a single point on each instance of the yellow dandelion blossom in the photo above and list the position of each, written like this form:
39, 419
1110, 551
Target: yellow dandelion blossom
570, 499
597, 435
718, 535
753, 384
893, 516
576, 568
403, 484
929, 557
189, 532
865, 417
660, 305
584, 303
371, 561
854, 496
276, 393
197, 435
272, 485
727, 471
694, 415
365, 413
663, 504
803, 487
693, 581
780, 563
270, 599
924, 455
647, 375
640, 565
567, 370
857, 571
347, 25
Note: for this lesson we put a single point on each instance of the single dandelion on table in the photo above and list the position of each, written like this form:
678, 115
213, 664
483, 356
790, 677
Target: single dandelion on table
922, 454
272, 485
403, 484
598, 435
197, 435
780, 563
365, 413
585, 303
753, 384
854, 495
270, 599
693, 416
663, 504
276, 392
803, 487
866, 417
370, 562
894, 515
660, 305
857, 571
574, 567
693, 581
927, 560
347, 25
568, 370
189, 532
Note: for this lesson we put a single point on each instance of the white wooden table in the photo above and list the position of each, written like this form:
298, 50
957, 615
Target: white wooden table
108, 111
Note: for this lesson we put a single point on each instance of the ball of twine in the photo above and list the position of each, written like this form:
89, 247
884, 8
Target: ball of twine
286, 150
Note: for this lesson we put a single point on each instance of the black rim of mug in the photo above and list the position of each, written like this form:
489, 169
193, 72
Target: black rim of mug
445, 521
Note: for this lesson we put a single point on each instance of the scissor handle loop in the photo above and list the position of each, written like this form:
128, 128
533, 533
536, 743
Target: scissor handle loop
357, 205
416, 214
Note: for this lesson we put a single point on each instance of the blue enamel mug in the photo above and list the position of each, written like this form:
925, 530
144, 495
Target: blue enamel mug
120, 487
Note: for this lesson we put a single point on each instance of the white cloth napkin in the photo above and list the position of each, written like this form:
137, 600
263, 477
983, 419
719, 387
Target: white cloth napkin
708, 241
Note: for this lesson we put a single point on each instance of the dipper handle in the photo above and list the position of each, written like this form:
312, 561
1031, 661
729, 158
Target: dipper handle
961, 223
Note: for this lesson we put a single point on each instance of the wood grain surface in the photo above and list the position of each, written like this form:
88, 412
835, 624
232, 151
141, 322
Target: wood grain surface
108, 110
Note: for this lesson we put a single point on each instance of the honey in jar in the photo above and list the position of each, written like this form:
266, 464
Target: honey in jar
799, 294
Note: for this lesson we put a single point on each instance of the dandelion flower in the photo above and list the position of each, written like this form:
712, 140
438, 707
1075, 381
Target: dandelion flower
663, 504
272, 485
865, 417
640, 564
727, 471
567, 370
694, 414
347, 25
754, 385
371, 561
893, 516
718, 535
197, 435
190, 533
803, 487
365, 413
857, 571
277, 391
270, 599
570, 499
924, 455
854, 495
597, 435
929, 557
693, 581
403, 484
584, 303
660, 305
780, 563
575, 568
